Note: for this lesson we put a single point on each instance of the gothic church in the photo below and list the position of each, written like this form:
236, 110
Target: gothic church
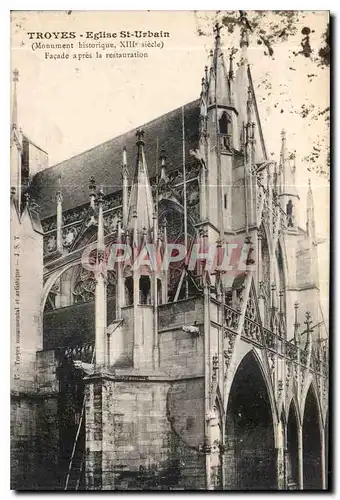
135, 378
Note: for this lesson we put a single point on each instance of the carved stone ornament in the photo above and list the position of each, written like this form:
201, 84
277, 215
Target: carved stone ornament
87, 368
69, 235
50, 243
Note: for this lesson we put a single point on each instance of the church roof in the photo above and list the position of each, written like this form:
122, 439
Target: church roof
104, 161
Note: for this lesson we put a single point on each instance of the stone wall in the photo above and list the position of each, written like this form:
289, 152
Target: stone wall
181, 353
139, 435
23, 442
34, 429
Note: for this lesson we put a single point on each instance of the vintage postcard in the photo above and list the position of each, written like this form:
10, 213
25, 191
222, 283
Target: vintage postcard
170, 180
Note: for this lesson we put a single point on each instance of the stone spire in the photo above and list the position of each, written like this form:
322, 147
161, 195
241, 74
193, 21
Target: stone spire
287, 168
218, 90
125, 180
244, 40
241, 81
241, 73
140, 202
310, 213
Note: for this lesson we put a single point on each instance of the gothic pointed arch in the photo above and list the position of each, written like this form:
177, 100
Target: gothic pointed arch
68, 311
292, 455
250, 443
311, 436
52, 280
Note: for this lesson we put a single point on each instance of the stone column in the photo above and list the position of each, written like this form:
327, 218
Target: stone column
207, 451
125, 182
223, 450
120, 290
280, 457
323, 459
165, 263
59, 199
300, 454
100, 320
154, 284
100, 292
203, 201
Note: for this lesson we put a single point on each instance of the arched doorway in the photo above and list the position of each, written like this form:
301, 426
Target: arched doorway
292, 457
250, 460
312, 479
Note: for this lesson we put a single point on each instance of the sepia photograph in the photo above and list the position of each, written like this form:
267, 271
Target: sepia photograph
170, 250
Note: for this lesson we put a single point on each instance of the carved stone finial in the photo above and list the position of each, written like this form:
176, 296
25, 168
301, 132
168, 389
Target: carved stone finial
92, 186
59, 196
308, 321
140, 137
244, 41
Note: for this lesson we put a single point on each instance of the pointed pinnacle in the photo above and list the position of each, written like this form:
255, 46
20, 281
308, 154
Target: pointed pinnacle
140, 137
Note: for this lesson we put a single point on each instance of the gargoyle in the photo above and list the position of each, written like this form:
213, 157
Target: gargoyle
87, 368
194, 330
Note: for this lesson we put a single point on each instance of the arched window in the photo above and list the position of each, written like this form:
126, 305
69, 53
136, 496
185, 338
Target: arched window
224, 123
289, 211
144, 290
159, 291
225, 131
128, 284
280, 279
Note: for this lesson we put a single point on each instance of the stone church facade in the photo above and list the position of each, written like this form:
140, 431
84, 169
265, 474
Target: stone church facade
173, 377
